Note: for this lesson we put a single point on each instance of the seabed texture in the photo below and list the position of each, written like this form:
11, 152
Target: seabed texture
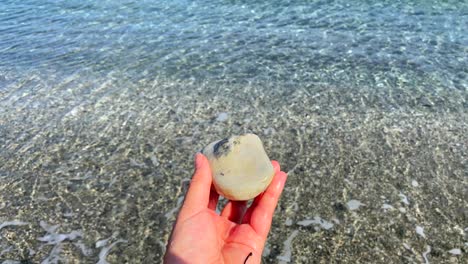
103, 105
92, 173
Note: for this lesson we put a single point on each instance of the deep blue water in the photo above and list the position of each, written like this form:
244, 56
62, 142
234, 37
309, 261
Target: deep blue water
355, 43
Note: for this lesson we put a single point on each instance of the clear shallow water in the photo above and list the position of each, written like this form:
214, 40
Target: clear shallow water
102, 105
302, 41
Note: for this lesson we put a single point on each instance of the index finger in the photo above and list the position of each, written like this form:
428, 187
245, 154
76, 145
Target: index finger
261, 211
198, 194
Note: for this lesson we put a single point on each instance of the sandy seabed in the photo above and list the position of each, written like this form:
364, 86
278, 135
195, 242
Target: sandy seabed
95, 169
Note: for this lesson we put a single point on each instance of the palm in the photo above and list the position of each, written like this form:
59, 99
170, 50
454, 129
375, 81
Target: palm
236, 235
215, 239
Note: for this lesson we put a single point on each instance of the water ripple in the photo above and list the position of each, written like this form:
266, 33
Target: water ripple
237, 40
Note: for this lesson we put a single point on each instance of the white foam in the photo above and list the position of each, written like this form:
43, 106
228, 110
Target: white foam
169, 214
154, 160
404, 198
455, 251
6, 250
105, 251
58, 238
8, 261
407, 246
12, 223
53, 238
269, 131
387, 207
102, 242
285, 257
68, 214
420, 231
424, 254
354, 204
84, 249
317, 221
48, 228
222, 117
54, 255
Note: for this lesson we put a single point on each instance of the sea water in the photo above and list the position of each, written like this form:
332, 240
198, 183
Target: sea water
103, 103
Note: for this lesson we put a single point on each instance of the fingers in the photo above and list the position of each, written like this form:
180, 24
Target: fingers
214, 196
276, 166
198, 194
260, 214
234, 211
248, 214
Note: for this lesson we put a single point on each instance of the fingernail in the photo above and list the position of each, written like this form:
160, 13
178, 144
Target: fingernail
283, 176
198, 160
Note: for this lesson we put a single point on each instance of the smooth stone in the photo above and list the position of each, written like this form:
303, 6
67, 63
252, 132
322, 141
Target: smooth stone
240, 167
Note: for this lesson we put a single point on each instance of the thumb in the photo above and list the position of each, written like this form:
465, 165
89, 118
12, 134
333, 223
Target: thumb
199, 191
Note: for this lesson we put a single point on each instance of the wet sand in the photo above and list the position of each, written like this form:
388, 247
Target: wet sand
375, 175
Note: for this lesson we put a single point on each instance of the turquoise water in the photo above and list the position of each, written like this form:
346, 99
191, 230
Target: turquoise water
363, 103
239, 41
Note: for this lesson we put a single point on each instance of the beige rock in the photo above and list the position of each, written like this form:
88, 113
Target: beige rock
240, 166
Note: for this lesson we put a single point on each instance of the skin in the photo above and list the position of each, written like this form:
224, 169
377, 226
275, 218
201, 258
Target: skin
237, 235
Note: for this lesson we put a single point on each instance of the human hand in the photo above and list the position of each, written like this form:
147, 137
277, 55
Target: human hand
237, 235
